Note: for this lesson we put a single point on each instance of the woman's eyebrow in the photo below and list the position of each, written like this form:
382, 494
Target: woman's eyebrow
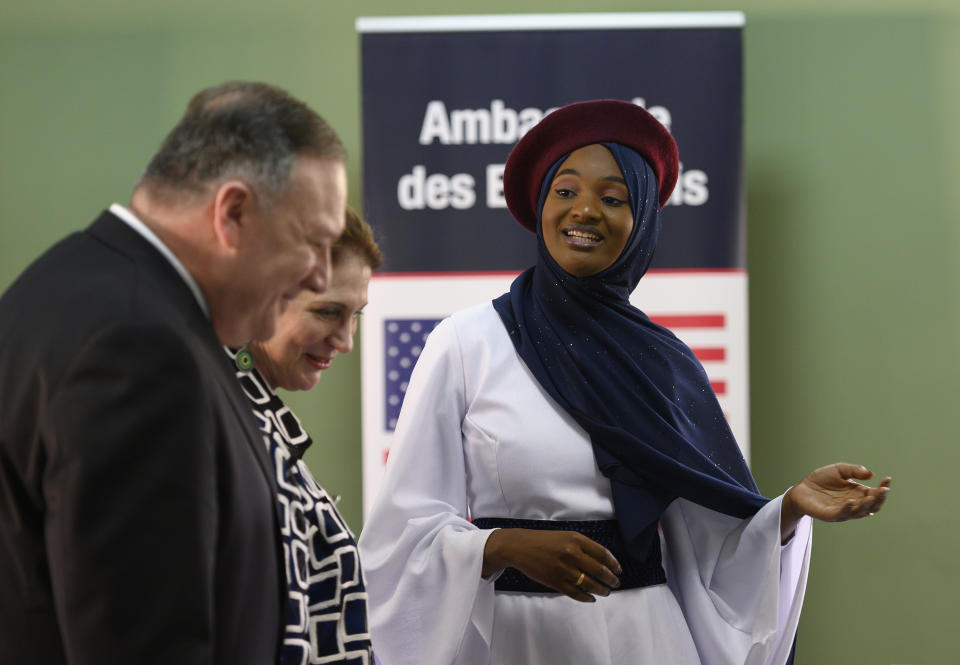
612, 178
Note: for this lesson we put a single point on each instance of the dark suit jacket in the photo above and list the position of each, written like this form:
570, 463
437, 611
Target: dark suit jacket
137, 502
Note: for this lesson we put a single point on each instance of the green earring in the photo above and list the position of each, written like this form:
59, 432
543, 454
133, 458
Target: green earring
244, 360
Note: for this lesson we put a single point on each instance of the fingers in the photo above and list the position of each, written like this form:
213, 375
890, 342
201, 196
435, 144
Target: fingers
597, 579
868, 504
848, 471
846, 511
567, 561
601, 565
575, 592
878, 504
585, 585
879, 496
591, 573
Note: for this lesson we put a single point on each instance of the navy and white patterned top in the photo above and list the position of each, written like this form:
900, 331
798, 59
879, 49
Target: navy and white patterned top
327, 609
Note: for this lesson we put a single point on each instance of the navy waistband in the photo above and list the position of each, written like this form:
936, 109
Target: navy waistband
647, 572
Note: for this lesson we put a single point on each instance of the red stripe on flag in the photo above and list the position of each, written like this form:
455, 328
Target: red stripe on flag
705, 354
691, 320
719, 387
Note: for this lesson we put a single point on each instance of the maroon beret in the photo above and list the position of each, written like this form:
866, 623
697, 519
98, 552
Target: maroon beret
574, 126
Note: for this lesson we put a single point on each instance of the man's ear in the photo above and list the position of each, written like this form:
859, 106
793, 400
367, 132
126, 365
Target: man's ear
233, 204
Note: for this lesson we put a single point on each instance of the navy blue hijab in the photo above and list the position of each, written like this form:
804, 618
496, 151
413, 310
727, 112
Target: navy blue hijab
657, 430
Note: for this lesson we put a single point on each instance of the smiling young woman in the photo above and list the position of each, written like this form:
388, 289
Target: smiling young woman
555, 446
586, 219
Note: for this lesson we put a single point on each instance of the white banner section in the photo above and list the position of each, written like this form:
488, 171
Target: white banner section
707, 309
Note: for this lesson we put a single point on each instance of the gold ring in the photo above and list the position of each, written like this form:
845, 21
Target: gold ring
580, 579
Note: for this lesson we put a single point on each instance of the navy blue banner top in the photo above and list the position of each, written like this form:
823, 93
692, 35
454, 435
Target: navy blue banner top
441, 111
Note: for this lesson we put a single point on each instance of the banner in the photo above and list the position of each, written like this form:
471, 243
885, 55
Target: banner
444, 99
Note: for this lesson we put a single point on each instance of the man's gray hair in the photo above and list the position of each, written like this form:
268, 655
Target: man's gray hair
252, 131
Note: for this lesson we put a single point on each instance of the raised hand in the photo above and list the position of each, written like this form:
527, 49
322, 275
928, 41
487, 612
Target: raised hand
566, 561
832, 494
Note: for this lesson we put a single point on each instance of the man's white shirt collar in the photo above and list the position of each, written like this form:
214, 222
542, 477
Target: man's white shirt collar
151, 237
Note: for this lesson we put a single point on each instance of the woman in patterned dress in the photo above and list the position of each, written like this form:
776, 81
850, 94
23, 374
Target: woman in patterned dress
327, 609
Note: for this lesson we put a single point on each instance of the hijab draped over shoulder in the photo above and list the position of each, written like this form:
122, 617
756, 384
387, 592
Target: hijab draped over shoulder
657, 430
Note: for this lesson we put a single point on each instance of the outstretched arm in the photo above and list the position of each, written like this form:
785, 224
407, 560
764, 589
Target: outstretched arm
832, 494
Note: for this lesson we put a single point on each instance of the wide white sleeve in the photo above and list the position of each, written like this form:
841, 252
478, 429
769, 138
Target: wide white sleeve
421, 556
740, 590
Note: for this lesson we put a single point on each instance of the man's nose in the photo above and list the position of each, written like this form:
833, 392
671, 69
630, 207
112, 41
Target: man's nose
319, 274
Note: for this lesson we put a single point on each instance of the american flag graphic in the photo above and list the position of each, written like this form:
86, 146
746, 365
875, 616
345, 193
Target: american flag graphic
706, 335
403, 340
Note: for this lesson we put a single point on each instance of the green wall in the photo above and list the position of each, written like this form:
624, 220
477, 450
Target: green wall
852, 153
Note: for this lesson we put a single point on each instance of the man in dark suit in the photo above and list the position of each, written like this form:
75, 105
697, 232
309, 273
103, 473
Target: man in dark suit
137, 504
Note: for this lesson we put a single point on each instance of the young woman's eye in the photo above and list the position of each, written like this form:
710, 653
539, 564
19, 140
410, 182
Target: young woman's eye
564, 193
613, 201
326, 313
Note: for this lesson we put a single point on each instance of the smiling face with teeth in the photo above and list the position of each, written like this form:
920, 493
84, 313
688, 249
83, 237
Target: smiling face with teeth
586, 219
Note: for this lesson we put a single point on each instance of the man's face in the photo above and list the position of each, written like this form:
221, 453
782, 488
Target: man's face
290, 242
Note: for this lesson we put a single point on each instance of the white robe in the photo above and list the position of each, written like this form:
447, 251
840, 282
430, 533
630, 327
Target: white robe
479, 437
